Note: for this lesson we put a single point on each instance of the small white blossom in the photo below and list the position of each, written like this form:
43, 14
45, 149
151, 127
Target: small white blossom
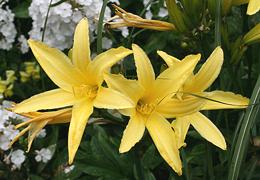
69, 169
163, 12
17, 158
148, 15
42, 133
23, 44
106, 43
43, 155
7, 28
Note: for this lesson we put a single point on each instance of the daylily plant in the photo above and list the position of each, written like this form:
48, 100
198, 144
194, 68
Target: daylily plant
195, 86
149, 93
79, 80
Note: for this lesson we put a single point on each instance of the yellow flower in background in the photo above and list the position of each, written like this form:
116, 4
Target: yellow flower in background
31, 71
149, 94
79, 80
253, 5
38, 120
126, 19
6, 86
196, 85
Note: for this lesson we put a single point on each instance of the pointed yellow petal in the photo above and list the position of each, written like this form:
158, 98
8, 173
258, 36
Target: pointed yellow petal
56, 98
170, 60
170, 80
181, 126
165, 141
19, 135
207, 73
56, 64
80, 114
35, 129
111, 99
144, 68
127, 112
103, 62
176, 107
133, 133
207, 130
229, 100
253, 7
130, 88
81, 49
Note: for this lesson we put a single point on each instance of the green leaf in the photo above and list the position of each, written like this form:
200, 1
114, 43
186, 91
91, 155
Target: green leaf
21, 10
151, 158
244, 134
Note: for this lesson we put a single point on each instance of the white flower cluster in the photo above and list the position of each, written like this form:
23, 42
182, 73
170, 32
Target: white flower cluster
62, 20
15, 157
43, 155
23, 45
7, 130
7, 27
162, 11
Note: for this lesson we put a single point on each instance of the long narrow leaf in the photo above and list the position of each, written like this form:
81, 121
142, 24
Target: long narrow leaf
243, 136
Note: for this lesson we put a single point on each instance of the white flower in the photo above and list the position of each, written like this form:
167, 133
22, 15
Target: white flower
163, 12
42, 133
23, 44
17, 158
43, 155
148, 15
7, 28
106, 43
69, 169
62, 20
4, 142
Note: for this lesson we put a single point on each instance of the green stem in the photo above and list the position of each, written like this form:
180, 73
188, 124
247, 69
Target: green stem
46, 20
100, 27
218, 24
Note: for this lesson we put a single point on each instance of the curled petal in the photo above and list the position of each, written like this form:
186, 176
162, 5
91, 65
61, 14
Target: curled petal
181, 126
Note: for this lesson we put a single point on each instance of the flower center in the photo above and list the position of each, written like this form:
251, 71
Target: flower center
85, 90
144, 108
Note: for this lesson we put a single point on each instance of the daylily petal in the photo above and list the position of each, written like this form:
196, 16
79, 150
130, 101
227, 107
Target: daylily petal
170, 60
130, 88
133, 132
144, 68
80, 114
81, 50
207, 130
165, 141
229, 100
56, 65
253, 7
207, 73
181, 126
45, 101
103, 61
169, 81
35, 129
176, 107
111, 99
21, 133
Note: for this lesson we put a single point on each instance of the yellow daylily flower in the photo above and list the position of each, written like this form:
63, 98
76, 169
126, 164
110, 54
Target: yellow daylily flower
196, 85
149, 94
79, 80
38, 120
253, 5
126, 19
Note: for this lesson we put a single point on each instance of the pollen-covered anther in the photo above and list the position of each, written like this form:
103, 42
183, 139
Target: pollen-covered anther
86, 90
144, 108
